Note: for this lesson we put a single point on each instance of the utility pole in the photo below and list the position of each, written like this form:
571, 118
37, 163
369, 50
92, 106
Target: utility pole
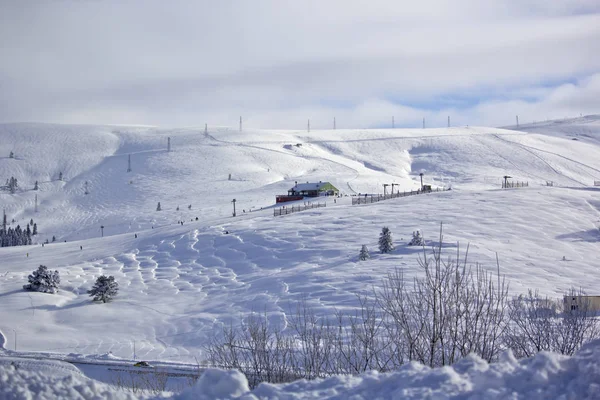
308, 126
517, 121
36, 207
169, 143
385, 185
233, 201
393, 123
333, 123
506, 180
421, 175
240, 123
129, 163
102, 229
394, 184
448, 121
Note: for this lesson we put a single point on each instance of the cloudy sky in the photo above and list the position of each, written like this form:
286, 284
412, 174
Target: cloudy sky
280, 62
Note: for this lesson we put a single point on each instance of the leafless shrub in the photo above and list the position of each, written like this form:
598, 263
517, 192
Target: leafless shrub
453, 310
539, 323
450, 310
140, 382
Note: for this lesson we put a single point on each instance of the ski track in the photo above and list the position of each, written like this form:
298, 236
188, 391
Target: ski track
532, 150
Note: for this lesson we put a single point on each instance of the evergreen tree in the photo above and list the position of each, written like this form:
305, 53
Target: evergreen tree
158, 207
104, 289
11, 155
12, 184
34, 230
35, 186
417, 239
385, 240
364, 253
54, 238
177, 208
31, 222
60, 176
43, 280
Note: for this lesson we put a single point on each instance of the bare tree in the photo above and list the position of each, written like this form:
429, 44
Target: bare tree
540, 323
453, 310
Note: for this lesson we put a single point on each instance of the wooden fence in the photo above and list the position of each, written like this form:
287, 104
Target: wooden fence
366, 199
506, 185
289, 210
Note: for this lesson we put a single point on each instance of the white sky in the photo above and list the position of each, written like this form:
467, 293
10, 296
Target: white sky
278, 63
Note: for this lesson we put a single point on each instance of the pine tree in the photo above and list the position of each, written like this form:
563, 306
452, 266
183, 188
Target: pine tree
385, 240
34, 230
104, 289
417, 239
60, 176
31, 222
11, 155
158, 207
54, 238
12, 184
43, 280
35, 186
364, 253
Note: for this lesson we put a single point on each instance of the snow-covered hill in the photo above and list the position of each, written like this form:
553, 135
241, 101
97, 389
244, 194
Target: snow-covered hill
181, 283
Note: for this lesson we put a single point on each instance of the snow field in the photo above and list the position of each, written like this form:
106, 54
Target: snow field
179, 285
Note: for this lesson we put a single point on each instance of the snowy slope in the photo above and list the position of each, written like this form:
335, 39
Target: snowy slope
180, 284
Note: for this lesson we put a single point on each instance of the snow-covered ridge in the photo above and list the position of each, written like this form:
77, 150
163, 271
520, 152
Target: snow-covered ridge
262, 164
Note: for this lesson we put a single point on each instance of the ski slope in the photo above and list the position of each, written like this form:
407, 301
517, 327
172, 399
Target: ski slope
180, 284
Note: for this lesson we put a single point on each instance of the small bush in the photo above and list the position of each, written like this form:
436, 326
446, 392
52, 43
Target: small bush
364, 253
417, 239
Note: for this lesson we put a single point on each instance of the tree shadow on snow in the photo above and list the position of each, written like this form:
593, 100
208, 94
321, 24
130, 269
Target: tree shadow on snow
53, 307
589, 236
12, 292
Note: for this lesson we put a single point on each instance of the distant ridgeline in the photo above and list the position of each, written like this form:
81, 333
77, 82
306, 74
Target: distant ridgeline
17, 236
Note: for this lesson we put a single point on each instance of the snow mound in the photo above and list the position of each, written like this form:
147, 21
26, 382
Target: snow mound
217, 384
544, 376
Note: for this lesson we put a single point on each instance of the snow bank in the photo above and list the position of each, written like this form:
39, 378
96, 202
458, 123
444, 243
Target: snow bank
545, 376
217, 384
21, 383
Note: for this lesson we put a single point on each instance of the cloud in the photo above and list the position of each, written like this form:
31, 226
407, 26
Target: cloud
279, 63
